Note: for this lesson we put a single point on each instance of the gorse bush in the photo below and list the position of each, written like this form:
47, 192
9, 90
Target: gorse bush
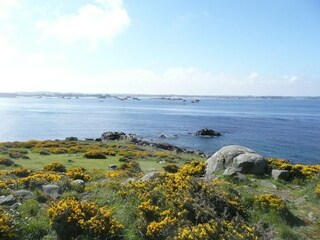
55, 167
6, 226
295, 170
95, 154
171, 168
181, 206
269, 201
78, 173
71, 219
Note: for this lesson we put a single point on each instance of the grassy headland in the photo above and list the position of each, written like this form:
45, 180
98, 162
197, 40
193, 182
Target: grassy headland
176, 202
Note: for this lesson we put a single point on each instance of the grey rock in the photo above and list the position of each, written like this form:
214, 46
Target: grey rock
312, 217
149, 176
78, 182
235, 174
245, 160
7, 162
71, 139
268, 184
52, 190
23, 194
280, 174
240, 177
230, 171
7, 200
112, 167
129, 180
300, 200
206, 132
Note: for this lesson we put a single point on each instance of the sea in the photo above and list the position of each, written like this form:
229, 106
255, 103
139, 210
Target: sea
287, 128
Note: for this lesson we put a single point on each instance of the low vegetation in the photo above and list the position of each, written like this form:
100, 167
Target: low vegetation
108, 201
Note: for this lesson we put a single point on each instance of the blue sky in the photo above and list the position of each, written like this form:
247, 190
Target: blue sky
210, 47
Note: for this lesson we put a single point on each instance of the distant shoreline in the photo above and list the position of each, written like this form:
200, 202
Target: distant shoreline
105, 95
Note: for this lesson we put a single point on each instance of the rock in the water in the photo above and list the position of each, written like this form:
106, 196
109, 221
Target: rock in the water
71, 139
51, 190
7, 200
243, 159
23, 194
206, 132
107, 136
149, 176
280, 174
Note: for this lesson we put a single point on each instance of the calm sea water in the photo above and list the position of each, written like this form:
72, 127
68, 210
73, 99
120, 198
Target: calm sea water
287, 128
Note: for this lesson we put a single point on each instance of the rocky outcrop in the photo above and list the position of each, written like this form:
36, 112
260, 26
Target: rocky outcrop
206, 132
112, 136
242, 159
280, 174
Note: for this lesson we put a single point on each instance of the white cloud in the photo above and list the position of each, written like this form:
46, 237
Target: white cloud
253, 75
101, 21
290, 78
6, 6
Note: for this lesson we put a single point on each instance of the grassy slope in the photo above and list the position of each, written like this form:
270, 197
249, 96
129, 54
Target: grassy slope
299, 196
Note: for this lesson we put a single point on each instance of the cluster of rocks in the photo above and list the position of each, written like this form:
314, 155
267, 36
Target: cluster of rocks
52, 191
116, 136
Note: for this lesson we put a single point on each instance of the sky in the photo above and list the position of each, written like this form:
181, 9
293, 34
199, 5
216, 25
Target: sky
193, 47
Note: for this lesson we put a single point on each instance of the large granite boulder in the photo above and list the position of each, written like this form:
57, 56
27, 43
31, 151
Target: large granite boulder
242, 159
206, 132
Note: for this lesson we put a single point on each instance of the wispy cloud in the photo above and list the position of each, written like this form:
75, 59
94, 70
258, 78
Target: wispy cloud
93, 23
290, 78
